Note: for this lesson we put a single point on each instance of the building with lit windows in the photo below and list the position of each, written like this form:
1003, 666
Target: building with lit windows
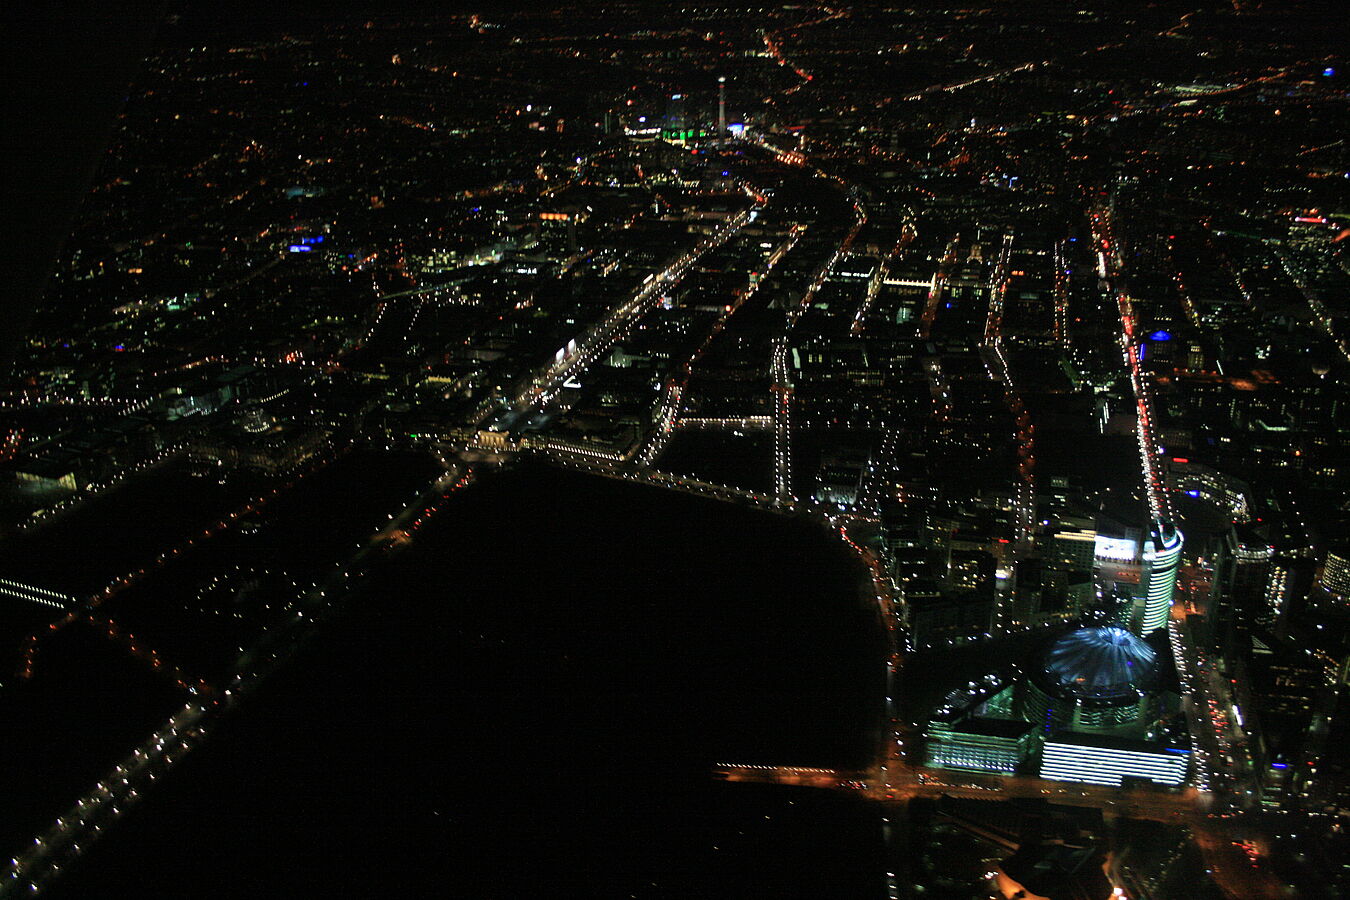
982, 744
1073, 548
1278, 587
1112, 761
1095, 682
1158, 581
1243, 572
1334, 577
973, 730
677, 126
1092, 707
1092, 679
1223, 491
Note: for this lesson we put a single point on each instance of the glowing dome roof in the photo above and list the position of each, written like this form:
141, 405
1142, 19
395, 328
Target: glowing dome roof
1100, 664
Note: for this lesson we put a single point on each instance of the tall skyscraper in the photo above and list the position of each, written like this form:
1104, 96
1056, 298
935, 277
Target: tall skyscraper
1334, 576
721, 106
677, 119
1162, 556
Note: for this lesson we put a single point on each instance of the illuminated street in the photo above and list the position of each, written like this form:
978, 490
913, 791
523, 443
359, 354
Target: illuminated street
869, 451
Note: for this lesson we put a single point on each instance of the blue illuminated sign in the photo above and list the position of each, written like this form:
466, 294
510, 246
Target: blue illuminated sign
299, 248
1160, 336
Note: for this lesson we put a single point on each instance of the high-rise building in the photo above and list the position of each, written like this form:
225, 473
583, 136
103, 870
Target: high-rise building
677, 119
1278, 588
722, 106
1242, 571
1334, 578
1158, 581
1073, 548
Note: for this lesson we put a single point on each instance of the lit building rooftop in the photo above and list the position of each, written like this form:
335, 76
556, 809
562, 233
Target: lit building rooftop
1102, 663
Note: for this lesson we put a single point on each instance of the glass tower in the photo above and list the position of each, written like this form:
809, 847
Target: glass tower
1162, 556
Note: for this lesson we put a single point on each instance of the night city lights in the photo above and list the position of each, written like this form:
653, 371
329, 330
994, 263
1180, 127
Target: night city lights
677, 450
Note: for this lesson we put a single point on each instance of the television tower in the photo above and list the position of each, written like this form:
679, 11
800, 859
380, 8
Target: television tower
721, 106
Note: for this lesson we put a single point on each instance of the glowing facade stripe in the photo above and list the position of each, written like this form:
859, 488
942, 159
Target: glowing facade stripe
955, 749
1162, 556
33, 594
9, 592
1109, 766
976, 759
